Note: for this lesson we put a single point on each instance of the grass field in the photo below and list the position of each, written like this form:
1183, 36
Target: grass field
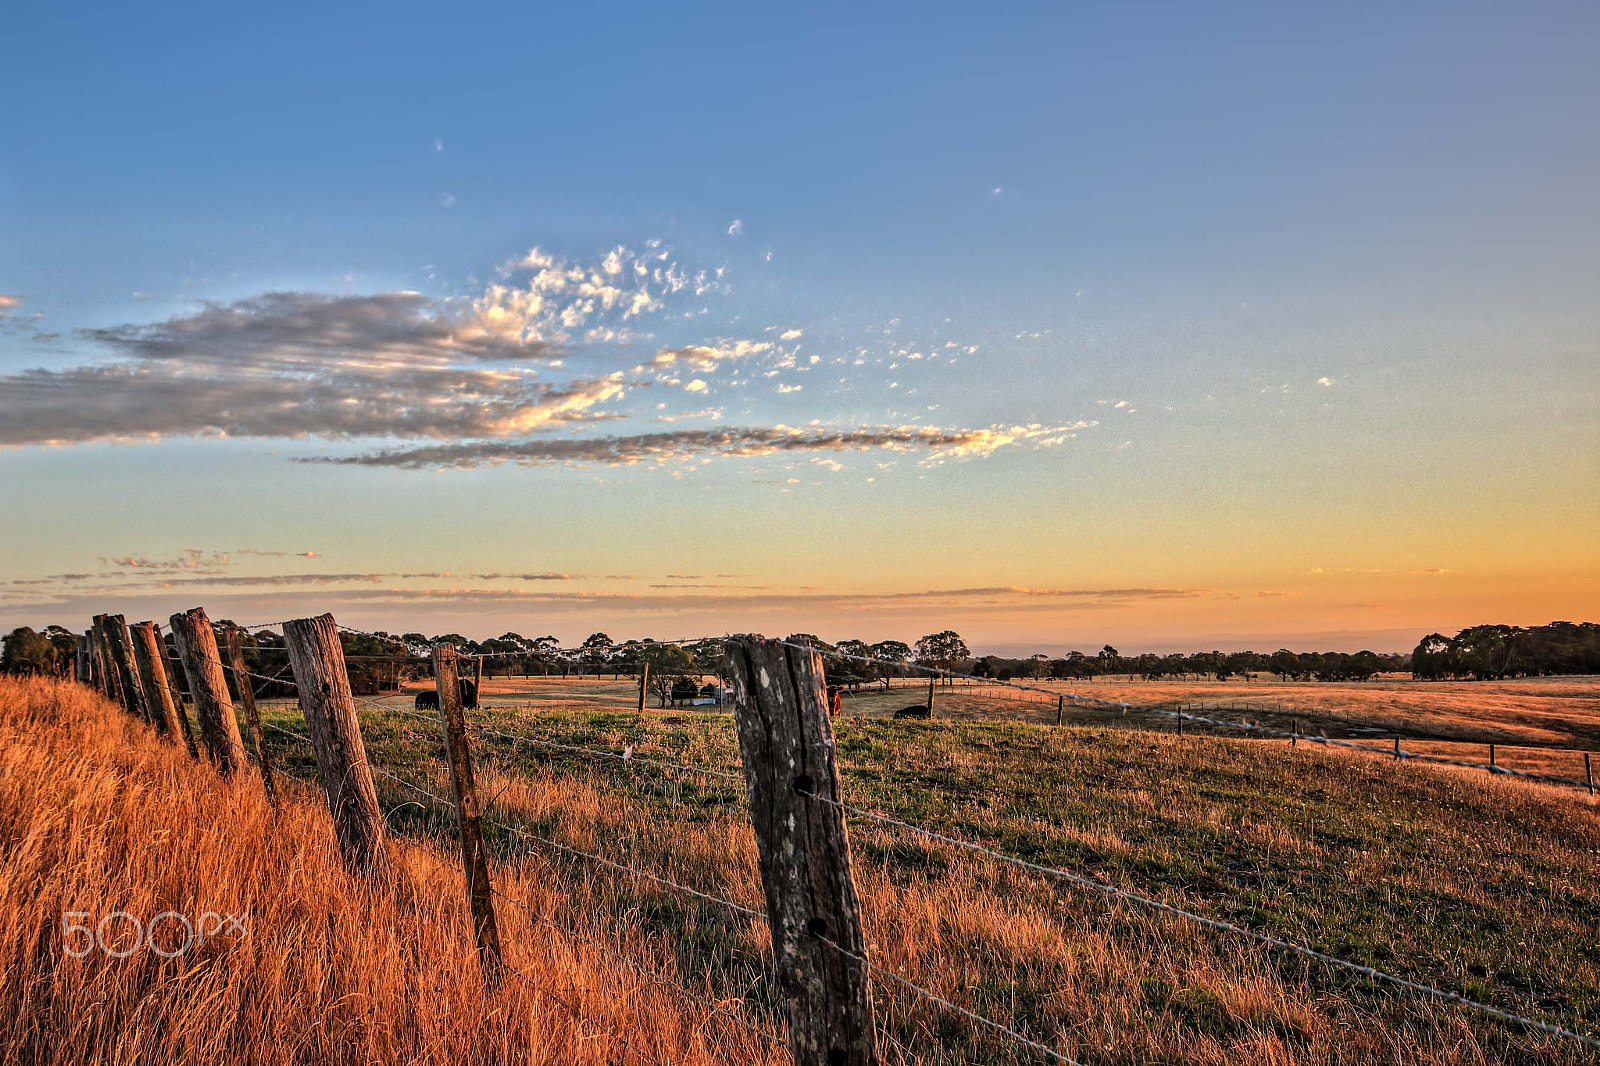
1484, 886
1541, 725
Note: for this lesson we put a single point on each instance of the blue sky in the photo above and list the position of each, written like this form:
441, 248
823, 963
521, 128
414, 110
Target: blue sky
1171, 312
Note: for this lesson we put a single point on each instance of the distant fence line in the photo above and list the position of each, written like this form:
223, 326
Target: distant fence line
792, 787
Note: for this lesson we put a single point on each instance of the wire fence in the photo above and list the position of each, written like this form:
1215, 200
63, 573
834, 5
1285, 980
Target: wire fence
628, 760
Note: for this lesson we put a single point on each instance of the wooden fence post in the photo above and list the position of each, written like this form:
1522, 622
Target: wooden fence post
147, 653
80, 664
317, 659
247, 696
787, 747
1492, 766
469, 816
1061, 708
644, 683
930, 696
1397, 748
121, 645
177, 695
208, 685
102, 655
1294, 737
1588, 774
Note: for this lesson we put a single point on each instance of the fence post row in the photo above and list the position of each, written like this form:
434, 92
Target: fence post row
787, 747
208, 685
317, 659
147, 653
247, 696
469, 817
121, 647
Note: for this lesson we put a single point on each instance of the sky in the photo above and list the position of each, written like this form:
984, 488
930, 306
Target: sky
1174, 327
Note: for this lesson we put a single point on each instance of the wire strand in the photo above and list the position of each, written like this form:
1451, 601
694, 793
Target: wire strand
1096, 885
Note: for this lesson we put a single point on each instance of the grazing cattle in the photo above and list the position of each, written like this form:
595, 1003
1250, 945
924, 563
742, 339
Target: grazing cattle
916, 710
429, 700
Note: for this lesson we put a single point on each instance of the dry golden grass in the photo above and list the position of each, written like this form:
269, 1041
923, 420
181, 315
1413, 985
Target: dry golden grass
97, 816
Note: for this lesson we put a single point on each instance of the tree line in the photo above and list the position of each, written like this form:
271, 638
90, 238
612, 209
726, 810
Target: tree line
378, 662
1487, 653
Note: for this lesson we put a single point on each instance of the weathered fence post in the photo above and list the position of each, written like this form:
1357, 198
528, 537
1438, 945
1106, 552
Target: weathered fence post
469, 817
930, 695
147, 653
208, 685
1294, 737
80, 664
317, 659
787, 747
177, 695
104, 663
1397, 749
1588, 774
1061, 708
644, 683
121, 646
252, 718
1492, 767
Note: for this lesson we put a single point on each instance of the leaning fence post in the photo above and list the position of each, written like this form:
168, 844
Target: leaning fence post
177, 695
469, 817
121, 645
644, 683
787, 747
247, 696
1588, 774
208, 685
147, 653
317, 659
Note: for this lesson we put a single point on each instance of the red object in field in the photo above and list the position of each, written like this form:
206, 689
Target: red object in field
835, 701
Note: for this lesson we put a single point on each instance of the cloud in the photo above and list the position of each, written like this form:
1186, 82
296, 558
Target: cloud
790, 335
736, 228
686, 444
189, 559
9, 302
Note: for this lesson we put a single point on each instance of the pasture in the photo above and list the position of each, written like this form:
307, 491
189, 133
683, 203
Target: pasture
1484, 884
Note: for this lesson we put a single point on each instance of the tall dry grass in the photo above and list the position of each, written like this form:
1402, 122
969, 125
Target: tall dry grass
98, 816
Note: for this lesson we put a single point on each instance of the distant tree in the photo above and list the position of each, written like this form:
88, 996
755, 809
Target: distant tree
28, 652
1286, 664
890, 657
941, 651
595, 652
668, 663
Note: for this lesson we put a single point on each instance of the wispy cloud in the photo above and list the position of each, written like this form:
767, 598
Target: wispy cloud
686, 444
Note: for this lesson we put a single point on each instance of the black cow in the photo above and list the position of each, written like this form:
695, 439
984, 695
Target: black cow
916, 710
429, 699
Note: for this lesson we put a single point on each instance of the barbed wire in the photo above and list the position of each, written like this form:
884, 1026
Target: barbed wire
1095, 885
945, 1003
